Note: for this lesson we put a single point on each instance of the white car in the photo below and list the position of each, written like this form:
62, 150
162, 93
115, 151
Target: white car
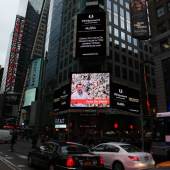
122, 156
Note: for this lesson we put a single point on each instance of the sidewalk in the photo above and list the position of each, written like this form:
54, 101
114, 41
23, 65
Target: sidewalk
23, 147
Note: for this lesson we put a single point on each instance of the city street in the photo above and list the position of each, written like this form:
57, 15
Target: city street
17, 160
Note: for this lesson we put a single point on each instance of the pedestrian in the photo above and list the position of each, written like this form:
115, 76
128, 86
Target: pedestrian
34, 139
13, 139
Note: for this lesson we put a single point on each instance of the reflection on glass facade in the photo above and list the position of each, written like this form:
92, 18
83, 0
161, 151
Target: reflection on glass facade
54, 38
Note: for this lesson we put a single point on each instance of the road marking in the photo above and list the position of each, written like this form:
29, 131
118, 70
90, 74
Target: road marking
22, 156
9, 164
21, 166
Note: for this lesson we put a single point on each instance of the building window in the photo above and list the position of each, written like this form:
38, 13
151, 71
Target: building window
131, 75
116, 22
137, 78
168, 6
116, 42
110, 17
124, 60
122, 35
110, 29
123, 46
122, 23
127, 5
115, 8
128, 26
127, 15
130, 62
136, 65
124, 73
108, 4
116, 32
122, 13
121, 2
135, 42
160, 12
117, 71
117, 57
129, 39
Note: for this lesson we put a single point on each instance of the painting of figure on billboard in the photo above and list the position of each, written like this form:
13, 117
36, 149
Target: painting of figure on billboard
90, 90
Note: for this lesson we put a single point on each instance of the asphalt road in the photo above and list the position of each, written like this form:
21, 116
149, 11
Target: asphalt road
17, 160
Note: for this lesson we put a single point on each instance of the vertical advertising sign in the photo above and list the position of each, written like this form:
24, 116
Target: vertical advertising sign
139, 19
34, 75
91, 35
14, 53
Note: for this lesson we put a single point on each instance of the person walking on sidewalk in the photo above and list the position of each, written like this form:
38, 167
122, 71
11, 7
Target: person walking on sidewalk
13, 139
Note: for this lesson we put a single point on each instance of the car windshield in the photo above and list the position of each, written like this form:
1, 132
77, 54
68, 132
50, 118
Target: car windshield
74, 149
130, 148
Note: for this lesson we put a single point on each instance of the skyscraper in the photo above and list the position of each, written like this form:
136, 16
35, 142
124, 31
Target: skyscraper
37, 13
123, 58
160, 28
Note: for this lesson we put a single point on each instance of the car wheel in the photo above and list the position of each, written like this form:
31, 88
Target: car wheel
30, 164
51, 167
117, 166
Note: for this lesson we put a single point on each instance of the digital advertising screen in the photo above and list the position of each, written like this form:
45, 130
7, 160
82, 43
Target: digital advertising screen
125, 98
91, 35
90, 90
139, 19
29, 97
61, 98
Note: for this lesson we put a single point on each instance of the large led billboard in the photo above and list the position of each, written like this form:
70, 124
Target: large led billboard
125, 98
139, 19
90, 90
91, 35
30, 96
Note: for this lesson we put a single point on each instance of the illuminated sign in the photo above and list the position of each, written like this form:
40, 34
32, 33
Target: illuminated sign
14, 53
60, 123
139, 19
91, 35
34, 75
61, 98
163, 114
29, 97
90, 90
125, 98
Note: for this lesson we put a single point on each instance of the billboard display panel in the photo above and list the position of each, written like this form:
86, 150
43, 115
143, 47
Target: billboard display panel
90, 90
139, 19
61, 98
91, 35
34, 75
125, 98
29, 97
14, 53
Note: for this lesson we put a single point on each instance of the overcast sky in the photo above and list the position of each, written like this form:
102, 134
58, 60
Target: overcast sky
8, 11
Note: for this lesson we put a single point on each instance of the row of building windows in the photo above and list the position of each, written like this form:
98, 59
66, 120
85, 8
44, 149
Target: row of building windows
131, 75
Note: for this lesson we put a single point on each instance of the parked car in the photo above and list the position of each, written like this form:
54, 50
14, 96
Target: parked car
122, 156
5, 136
63, 156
